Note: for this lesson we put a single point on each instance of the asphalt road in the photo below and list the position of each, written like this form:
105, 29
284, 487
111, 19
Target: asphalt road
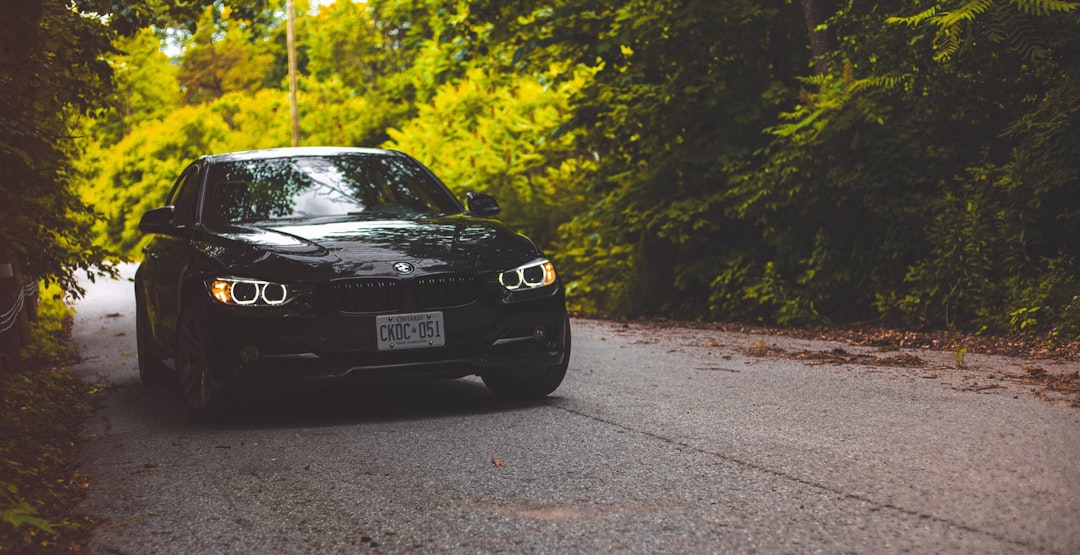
659, 441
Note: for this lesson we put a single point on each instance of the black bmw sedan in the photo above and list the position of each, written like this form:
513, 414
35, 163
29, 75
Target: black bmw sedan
340, 263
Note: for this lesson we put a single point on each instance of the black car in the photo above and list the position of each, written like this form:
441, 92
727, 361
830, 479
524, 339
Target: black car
340, 263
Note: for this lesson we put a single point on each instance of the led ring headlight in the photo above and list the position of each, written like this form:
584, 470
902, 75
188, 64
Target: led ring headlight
530, 276
245, 292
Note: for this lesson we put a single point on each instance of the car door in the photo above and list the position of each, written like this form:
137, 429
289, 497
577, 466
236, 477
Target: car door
167, 258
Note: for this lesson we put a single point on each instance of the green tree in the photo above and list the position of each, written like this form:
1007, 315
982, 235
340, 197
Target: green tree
769, 161
1004, 250
135, 175
52, 72
213, 65
499, 134
145, 87
900, 186
907, 175
354, 96
681, 92
342, 41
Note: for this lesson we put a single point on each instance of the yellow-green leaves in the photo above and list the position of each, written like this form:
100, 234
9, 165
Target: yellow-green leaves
500, 134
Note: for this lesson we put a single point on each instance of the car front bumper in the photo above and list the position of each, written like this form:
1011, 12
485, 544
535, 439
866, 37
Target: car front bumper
253, 345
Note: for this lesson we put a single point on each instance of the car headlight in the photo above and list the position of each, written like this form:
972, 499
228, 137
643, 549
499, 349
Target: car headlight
248, 292
533, 275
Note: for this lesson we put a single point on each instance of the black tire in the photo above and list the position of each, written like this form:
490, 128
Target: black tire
510, 388
152, 371
195, 365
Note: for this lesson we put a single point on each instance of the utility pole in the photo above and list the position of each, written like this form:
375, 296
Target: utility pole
290, 36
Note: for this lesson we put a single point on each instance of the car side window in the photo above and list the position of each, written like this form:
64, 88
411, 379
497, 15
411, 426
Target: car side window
185, 195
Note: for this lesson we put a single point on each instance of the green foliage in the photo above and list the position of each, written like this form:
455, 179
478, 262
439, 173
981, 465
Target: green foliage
595, 265
1002, 245
341, 117
50, 334
959, 353
212, 66
342, 44
145, 87
39, 492
918, 186
55, 70
482, 131
1014, 22
498, 134
679, 94
136, 174
19, 514
41, 410
771, 293
51, 72
675, 157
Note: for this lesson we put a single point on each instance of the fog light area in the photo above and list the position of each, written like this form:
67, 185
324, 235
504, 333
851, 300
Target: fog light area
248, 354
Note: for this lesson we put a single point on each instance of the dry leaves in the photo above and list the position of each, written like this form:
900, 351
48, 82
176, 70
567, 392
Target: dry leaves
1067, 384
1031, 346
1051, 386
838, 356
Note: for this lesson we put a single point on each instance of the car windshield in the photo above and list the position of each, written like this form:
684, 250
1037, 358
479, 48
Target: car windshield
308, 187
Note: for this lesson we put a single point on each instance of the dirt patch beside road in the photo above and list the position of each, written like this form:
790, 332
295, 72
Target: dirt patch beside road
985, 376
1040, 366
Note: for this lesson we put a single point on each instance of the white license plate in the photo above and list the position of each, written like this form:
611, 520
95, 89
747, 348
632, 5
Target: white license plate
409, 331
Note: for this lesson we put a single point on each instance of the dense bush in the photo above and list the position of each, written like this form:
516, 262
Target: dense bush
41, 409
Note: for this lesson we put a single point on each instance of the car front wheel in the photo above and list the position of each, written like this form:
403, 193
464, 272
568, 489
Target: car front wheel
152, 371
195, 365
513, 388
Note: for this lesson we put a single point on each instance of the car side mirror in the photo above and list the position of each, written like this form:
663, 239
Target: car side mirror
159, 220
479, 204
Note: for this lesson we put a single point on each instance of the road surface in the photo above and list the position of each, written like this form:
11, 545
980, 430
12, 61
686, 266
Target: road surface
659, 441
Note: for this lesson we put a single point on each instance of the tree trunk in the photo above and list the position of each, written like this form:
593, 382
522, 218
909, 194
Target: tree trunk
290, 39
823, 42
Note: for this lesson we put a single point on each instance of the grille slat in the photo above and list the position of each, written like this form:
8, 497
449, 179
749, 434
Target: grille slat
424, 293
443, 291
368, 295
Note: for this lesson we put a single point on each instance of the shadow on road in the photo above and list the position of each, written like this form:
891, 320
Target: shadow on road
322, 405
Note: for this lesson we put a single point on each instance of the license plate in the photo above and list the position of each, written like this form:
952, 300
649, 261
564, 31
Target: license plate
409, 331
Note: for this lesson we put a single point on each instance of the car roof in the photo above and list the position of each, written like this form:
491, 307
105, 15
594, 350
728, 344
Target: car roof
288, 152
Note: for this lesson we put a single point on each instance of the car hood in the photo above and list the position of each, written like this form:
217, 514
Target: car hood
372, 247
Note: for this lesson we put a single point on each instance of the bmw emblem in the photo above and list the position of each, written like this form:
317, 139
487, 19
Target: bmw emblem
403, 268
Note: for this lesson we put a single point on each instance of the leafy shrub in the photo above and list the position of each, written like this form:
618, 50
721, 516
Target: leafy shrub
51, 333
41, 409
